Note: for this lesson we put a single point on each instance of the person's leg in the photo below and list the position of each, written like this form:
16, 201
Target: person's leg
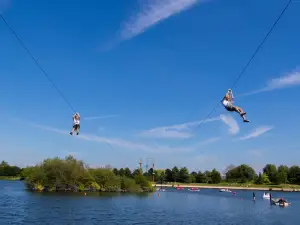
78, 129
73, 129
241, 112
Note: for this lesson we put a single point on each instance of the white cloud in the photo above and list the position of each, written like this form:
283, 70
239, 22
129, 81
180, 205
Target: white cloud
130, 145
231, 122
257, 132
289, 80
151, 13
178, 131
99, 117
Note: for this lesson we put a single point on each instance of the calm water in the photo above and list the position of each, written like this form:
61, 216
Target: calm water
172, 207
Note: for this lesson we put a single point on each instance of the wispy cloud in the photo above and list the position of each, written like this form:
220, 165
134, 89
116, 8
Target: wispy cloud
100, 117
178, 131
286, 81
153, 12
257, 132
129, 145
234, 128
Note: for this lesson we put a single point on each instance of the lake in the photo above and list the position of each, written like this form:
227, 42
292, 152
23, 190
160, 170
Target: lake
173, 207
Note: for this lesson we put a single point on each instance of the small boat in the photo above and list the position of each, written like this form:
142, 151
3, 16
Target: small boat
225, 190
161, 189
280, 202
194, 189
266, 195
180, 188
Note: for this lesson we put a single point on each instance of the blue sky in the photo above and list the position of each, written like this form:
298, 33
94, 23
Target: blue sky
143, 74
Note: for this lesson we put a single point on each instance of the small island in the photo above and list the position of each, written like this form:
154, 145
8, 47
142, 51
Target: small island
70, 174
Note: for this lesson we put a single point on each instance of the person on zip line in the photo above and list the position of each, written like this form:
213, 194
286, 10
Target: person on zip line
76, 123
227, 102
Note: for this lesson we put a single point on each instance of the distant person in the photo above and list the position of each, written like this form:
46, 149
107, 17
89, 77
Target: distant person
76, 123
253, 196
227, 102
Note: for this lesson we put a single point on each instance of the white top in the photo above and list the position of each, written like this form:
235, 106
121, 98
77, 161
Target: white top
76, 119
225, 102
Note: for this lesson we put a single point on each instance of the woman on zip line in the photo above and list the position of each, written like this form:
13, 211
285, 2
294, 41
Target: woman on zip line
227, 102
76, 123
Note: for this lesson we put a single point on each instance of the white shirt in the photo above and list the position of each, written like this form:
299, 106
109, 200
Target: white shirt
76, 121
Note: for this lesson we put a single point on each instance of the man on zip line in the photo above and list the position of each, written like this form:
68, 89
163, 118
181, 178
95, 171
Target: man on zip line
227, 102
76, 123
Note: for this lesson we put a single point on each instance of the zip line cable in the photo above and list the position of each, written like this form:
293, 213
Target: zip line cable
39, 66
36, 62
252, 57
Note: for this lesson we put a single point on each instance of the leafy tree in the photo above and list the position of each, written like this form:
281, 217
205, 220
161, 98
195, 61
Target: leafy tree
201, 177
121, 172
193, 176
169, 175
184, 175
265, 179
215, 177
259, 179
271, 171
175, 174
242, 174
116, 171
136, 172
282, 174
294, 175
127, 172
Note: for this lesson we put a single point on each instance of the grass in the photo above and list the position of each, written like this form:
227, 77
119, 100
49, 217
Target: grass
9, 178
224, 184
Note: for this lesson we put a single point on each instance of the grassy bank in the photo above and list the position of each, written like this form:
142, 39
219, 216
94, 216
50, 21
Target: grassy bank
284, 187
9, 178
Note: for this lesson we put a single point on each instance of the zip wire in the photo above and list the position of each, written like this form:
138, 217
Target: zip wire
36, 62
39, 66
252, 57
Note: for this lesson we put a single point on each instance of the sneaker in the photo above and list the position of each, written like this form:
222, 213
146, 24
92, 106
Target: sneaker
71, 133
246, 121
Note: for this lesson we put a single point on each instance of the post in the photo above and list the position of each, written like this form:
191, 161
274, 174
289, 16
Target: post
153, 172
141, 169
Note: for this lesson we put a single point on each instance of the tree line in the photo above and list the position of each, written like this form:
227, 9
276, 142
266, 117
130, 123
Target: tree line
7, 170
236, 174
271, 174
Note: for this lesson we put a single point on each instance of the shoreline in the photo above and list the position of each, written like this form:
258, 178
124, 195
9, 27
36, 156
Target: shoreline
228, 187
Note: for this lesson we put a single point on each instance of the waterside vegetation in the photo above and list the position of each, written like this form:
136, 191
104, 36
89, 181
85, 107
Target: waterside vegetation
70, 174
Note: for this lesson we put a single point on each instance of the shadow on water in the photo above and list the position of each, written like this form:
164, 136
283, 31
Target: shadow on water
89, 194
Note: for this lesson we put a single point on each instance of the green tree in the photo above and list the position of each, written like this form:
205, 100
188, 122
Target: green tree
116, 171
271, 171
201, 177
193, 176
121, 172
282, 174
136, 172
215, 177
207, 174
259, 179
127, 172
242, 174
294, 175
265, 179
169, 175
175, 174
184, 175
